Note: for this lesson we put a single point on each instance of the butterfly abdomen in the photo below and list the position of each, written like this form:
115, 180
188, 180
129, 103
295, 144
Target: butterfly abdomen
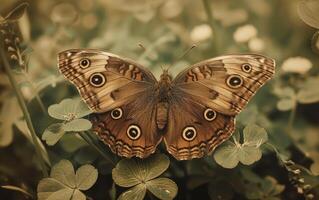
161, 115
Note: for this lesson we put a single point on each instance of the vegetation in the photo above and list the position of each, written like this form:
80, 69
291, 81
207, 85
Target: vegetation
47, 151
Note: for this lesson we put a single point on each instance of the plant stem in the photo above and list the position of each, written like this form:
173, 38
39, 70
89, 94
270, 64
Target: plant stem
86, 138
37, 96
25, 111
212, 24
291, 119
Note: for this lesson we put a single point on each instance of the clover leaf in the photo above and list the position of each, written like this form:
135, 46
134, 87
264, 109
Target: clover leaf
309, 92
287, 98
141, 175
71, 112
308, 12
229, 154
69, 109
64, 183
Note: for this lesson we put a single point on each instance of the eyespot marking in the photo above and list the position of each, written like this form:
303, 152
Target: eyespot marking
117, 113
133, 132
189, 133
210, 114
85, 63
234, 81
97, 79
246, 67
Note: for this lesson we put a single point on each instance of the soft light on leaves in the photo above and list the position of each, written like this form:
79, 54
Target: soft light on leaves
85, 177
287, 99
64, 13
256, 44
64, 173
77, 125
63, 183
142, 174
136, 193
162, 188
201, 33
309, 91
56, 131
53, 133
245, 33
229, 154
299, 65
308, 11
69, 109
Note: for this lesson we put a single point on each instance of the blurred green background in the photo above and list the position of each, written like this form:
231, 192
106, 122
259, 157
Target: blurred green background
155, 33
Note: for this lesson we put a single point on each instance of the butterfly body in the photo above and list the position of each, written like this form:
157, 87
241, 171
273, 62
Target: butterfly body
193, 113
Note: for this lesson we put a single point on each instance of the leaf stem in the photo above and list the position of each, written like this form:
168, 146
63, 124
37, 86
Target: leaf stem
15, 188
25, 111
212, 24
291, 119
86, 138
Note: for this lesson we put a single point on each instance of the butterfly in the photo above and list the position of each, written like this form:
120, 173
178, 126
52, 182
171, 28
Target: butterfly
192, 113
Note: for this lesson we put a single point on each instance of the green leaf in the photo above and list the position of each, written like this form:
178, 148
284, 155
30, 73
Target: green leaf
17, 12
130, 172
72, 142
286, 104
63, 171
48, 186
308, 11
162, 188
78, 195
65, 184
86, 176
77, 125
309, 92
249, 154
69, 109
135, 193
53, 133
229, 154
254, 135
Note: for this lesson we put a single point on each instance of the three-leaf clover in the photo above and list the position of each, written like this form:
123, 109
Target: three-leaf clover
287, 98
141, 175
229, 154
65, 184
71, 112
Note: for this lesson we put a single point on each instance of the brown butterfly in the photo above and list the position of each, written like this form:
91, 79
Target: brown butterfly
193, 113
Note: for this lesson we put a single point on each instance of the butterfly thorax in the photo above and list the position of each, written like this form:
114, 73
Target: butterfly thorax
164, 87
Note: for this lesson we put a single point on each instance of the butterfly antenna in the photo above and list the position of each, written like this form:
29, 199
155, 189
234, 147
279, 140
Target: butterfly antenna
183, 55
142, 46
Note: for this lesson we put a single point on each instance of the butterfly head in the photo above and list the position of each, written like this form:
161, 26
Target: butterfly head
165, 77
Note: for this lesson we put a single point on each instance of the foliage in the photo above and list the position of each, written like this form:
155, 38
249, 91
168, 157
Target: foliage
63, 183
44, 125
141, 175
